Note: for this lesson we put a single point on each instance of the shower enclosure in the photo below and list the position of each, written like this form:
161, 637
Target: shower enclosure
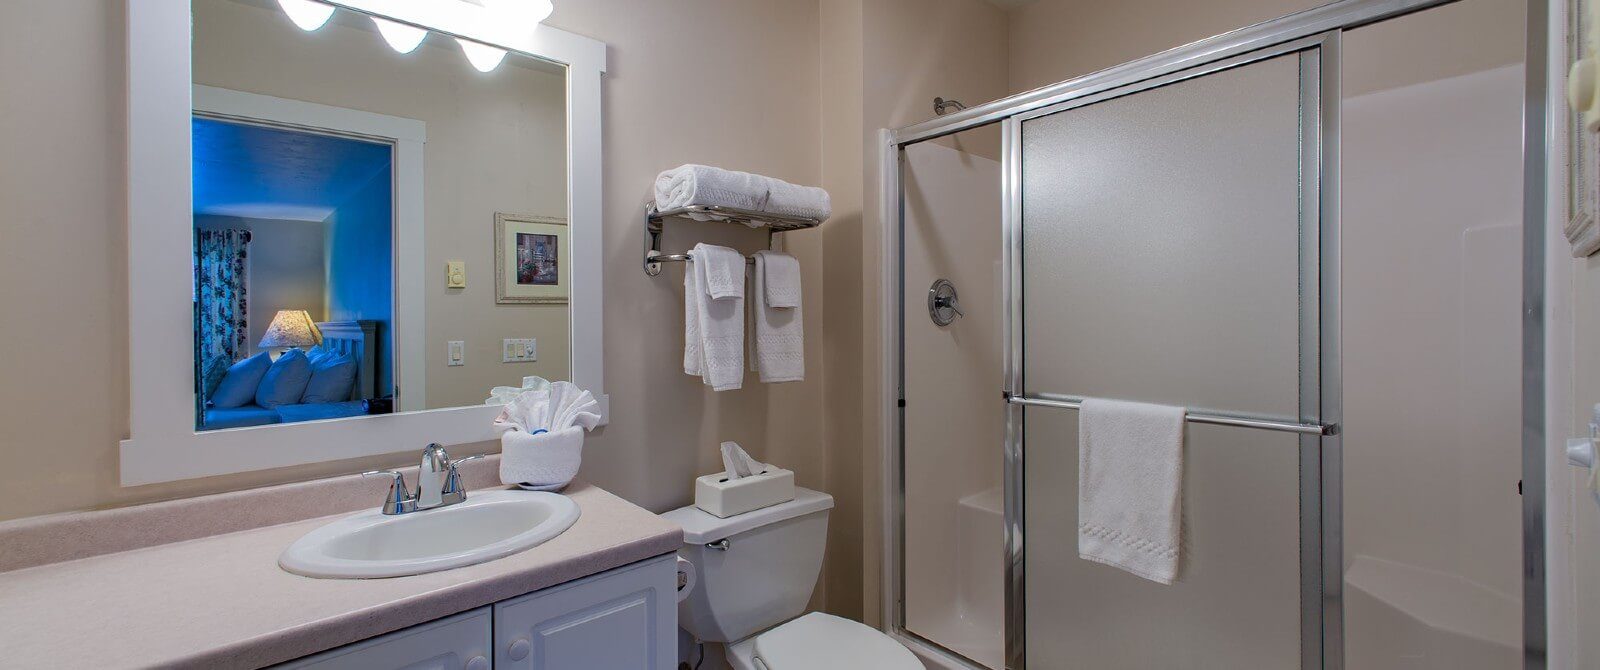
1294, 244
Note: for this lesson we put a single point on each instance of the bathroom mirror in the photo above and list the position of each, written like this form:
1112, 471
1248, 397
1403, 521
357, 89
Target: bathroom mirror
392, 211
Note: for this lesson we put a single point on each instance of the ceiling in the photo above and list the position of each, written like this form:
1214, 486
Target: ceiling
259, 172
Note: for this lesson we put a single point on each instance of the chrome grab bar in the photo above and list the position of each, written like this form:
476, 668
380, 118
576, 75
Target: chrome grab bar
1197, 417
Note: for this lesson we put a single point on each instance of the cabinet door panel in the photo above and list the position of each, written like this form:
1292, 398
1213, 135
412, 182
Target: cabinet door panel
623, 619
453, 643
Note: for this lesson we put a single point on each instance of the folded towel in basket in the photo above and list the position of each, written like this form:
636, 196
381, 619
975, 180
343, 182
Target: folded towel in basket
545, 460
692, 184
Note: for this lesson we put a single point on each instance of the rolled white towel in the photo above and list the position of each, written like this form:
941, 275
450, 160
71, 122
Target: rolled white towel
703, 185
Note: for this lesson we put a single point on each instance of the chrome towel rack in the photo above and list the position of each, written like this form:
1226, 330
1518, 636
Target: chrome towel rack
654, 220
1258, 423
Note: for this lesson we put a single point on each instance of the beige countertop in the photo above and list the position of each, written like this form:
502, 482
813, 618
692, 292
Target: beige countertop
222, 601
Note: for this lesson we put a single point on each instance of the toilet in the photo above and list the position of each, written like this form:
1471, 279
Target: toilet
752, 577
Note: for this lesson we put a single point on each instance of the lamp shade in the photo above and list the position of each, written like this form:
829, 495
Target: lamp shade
292, 328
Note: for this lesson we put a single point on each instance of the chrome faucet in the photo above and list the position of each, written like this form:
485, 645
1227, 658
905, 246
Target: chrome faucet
438, 483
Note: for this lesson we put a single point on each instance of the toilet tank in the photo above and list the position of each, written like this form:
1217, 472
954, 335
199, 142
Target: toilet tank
765, 574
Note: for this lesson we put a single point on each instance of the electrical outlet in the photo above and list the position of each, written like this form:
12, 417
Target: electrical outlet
519, 350
458, 353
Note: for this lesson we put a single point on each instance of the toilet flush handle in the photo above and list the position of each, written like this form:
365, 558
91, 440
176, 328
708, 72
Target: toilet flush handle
719, 545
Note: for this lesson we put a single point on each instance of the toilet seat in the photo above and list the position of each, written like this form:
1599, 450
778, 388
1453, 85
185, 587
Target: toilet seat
818, 640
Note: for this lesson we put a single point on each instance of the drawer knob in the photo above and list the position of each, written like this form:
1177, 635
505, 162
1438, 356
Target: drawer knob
478, 663
519, 650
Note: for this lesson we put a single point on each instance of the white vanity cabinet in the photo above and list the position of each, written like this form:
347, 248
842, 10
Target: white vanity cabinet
622, 619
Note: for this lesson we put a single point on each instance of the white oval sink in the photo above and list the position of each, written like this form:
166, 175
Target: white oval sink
487, 526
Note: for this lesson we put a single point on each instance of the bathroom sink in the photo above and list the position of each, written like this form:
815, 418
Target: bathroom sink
487, 526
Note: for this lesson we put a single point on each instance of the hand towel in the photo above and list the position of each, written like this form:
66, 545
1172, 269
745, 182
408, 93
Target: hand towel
779, 332
737, 463
501, 395
713, 328
703, 185
1130, 486
572, 406
555, 407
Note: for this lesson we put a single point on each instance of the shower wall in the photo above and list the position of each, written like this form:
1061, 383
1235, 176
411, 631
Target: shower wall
954, 429
1432, 353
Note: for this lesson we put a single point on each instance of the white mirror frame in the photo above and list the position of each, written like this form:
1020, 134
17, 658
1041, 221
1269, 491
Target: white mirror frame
163, 444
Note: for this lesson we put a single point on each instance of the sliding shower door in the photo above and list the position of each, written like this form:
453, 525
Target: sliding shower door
1166, 248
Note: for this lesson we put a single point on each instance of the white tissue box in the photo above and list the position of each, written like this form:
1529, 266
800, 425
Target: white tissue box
723, 497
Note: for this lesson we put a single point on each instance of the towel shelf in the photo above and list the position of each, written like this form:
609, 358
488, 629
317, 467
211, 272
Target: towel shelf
1197, 417
653, 220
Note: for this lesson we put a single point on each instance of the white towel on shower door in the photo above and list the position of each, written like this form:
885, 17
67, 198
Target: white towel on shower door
1130, 486
713, 327
779, 351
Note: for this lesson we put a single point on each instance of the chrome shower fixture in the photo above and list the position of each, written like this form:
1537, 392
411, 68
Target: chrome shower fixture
942, 106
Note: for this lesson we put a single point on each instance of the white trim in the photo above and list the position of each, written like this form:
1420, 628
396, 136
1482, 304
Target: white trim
1564, 641
409, 137
243, 105
163, 445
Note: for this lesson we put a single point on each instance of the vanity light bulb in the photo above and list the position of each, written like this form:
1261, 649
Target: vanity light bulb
307, 14
401, 37
539, 10
482, 56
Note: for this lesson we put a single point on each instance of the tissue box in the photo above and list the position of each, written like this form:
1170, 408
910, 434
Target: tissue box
723, 497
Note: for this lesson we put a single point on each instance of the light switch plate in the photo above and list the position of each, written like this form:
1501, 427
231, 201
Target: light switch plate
455, 274
519, 350
457, 353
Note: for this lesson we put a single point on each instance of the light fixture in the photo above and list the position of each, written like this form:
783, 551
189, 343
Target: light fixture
482, 56
307, 14
401, 37
534, 11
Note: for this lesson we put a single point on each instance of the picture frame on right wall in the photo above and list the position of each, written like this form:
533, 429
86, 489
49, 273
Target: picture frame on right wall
532, 259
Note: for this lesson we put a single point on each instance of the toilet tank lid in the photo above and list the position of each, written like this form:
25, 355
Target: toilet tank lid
700, 527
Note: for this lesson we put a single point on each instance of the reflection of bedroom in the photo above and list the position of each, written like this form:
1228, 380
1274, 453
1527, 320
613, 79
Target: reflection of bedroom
294, 275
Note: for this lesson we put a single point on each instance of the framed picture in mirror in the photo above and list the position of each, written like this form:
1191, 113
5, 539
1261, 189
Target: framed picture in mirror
530, 259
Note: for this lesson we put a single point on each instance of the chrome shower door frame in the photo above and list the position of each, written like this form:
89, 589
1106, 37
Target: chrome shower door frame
1318, 222
1315, 32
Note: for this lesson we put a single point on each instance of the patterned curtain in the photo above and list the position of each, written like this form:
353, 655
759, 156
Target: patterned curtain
222, 326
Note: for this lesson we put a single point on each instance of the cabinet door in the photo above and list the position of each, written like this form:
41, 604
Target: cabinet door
625, 619
459, 642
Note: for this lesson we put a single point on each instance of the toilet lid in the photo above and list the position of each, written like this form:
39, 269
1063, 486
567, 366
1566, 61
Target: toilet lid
819, 640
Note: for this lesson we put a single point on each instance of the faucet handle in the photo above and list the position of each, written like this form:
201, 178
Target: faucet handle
454, 491
459, 461
399, 500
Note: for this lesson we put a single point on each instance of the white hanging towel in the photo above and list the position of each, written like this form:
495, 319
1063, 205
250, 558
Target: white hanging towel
780, 349
1130, 486
704, 185
713, 316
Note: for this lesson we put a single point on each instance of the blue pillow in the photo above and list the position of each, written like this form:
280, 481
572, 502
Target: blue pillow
238, 385
285, 381
332, 377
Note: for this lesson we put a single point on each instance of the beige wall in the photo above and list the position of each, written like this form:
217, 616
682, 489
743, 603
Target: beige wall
1054, 40
883, 63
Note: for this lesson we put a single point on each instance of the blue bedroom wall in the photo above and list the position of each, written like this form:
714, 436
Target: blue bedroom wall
360, 263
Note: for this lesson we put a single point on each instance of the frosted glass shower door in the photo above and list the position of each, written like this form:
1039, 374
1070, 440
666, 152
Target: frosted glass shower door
1167, 255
